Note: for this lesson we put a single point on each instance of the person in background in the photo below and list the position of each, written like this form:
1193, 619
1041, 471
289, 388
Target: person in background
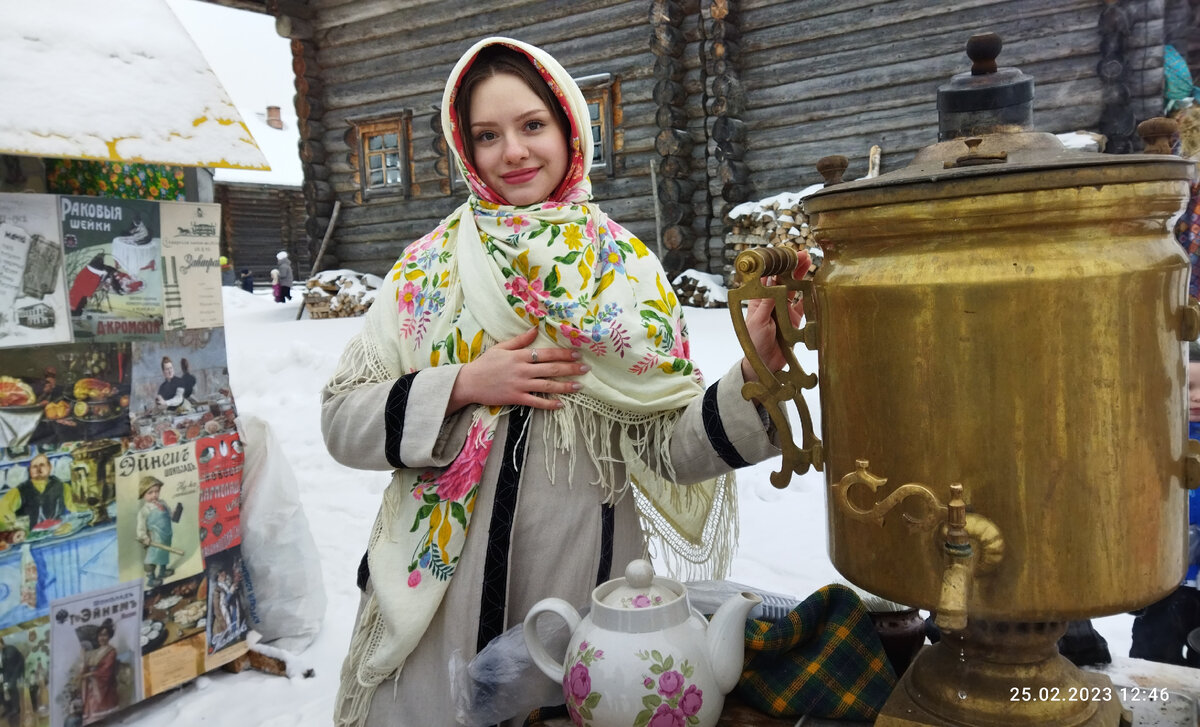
1160, 630
527, 367
228, 276
285, 275
246, 278
275, 287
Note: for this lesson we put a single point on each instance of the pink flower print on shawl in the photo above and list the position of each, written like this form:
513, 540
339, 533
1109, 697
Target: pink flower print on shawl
530, 293
408, 297
516, 222
466, 470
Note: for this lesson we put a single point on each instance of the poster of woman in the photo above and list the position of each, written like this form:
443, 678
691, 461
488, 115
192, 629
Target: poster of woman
95, 665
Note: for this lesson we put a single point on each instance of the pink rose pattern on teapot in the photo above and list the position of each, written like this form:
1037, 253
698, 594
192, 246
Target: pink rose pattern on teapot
672, 702
577, 684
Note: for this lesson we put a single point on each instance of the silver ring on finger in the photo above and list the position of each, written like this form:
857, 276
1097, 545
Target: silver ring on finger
533, 355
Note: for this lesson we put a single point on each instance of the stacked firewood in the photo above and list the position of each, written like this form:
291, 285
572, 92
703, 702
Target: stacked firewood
700, 290
340, 293
775, 220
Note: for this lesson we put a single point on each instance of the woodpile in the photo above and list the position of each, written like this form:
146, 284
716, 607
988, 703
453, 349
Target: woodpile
700, 290
340, 293
775, 220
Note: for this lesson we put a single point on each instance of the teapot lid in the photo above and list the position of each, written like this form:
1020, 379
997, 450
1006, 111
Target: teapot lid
639, 588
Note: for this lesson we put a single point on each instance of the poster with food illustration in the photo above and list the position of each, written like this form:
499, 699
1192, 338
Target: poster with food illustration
95, 657
25, 673
113, 267
158, 496
33, 294
174, 612
191, 247
64, 393
227, 617
180, 389
220, 459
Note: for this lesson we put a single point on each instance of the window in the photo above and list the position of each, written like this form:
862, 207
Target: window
598, 92
383, 166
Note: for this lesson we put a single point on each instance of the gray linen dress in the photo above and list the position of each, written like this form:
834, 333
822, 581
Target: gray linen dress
557, 528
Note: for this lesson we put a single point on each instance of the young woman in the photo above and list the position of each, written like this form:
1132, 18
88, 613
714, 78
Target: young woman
525, 374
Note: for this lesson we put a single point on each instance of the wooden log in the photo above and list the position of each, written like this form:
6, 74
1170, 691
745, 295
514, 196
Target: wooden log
289, 26
315, 171
674, 190
675, 167
670, 117
666, 12
676, 213
309, 85
735, 192
734, 171
727, 128
310, 128
675, 238
718, 49
666, 40
309, 107
669, 93
730, 150
673, 141
318, 190
312, 152
668, 67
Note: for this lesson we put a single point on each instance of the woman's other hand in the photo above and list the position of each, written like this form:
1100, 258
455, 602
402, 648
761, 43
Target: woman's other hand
512, 373
761, 324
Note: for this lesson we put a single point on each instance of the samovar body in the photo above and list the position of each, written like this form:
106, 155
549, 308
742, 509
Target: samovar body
1026, 343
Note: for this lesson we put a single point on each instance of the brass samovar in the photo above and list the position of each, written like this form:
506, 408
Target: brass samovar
1000, 330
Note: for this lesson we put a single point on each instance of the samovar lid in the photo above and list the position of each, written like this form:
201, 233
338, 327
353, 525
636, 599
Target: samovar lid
986, 99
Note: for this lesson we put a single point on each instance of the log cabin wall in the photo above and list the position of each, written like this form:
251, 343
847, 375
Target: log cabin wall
373, 58
825, 78
257, 221
730, 100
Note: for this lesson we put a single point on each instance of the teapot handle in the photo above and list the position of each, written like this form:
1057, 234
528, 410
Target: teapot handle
533, 642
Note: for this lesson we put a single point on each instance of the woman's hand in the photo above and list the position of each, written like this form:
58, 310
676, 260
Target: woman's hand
761, 324
511, 373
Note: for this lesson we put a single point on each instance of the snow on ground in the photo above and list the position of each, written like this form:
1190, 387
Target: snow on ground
277, 366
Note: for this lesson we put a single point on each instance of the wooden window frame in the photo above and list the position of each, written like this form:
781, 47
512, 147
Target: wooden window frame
598, 89
368, 128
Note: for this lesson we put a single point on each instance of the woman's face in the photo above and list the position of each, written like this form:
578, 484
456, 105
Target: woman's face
519, 147
168, 370
102, 636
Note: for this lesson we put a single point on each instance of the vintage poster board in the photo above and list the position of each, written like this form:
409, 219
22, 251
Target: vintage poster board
121, 571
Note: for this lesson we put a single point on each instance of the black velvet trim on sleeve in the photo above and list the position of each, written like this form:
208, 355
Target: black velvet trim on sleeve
364, 573
715, 429
494, 601
393, 419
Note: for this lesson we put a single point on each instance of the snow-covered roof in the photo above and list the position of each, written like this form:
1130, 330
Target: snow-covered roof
116, 80
255, 67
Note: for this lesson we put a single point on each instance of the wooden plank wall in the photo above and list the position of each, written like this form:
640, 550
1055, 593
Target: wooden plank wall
837, 76
377, 59
257, 222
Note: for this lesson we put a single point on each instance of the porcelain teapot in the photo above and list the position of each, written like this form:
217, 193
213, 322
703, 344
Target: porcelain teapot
643, 652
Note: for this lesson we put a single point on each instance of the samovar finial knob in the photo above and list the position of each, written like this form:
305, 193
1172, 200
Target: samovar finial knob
832, 168
1159, 134
983, 49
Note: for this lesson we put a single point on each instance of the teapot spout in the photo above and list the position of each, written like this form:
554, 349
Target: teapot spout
727, 639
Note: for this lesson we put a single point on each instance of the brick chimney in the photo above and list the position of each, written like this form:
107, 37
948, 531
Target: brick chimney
273, 119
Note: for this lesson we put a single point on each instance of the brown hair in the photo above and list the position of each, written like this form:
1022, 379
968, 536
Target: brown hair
488, 62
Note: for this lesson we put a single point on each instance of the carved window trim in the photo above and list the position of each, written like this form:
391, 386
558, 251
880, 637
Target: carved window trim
598, 92
384, 155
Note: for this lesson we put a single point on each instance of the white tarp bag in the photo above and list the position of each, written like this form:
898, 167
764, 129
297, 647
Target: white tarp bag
287, 592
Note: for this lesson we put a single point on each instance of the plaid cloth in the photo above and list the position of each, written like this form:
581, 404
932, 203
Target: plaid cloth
824, 660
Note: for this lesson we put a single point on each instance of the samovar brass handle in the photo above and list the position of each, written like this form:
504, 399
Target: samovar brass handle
775, 388
1189, 327
1191, 465
935, 511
